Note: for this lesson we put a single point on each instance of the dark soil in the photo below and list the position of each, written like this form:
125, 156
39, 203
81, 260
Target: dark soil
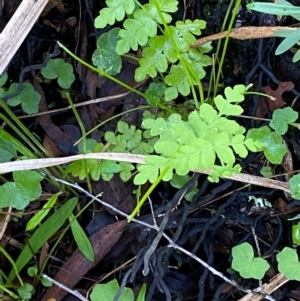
220, 215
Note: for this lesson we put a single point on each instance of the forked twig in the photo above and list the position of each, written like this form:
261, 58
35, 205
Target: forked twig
171, 242
74, 293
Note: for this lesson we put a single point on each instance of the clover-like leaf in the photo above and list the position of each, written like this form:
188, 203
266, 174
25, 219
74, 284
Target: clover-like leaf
125, 171
132, 135
227, 106
63, 71
150, 171
26, 291
94, 167
136, 32
25, 188
156, 90
28, 98
169, 6
190, 28
153, 59
177, 37
115, 10
246, 264
105, 56
270, 142
156, 126
177, 83
281, 118
7, 151
107, 292
288, 263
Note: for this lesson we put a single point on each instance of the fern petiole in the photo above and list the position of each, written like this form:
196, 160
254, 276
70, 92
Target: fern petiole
187, 68
139, 5
131, 57
180, 58
83, 132
261, 94
111, 118
13, 264
216, 55
13, 295
103, 73
234, 13
192, 71
57, 242
145, 196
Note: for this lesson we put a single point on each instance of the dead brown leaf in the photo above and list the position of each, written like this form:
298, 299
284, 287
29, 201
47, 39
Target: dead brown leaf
77, 265
115, 194
277, 94
62, 139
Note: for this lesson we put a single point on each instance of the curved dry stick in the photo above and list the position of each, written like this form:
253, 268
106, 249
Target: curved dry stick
30, 164
276, 282
244, 33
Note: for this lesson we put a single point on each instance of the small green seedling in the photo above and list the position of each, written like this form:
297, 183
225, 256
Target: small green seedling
266, 172
28, 98
282, 118
26, 187
288, 263
252, 267
63, 71
107, 292
26, 291
105, 56
33, 272
246, 264
270, 143
147, 27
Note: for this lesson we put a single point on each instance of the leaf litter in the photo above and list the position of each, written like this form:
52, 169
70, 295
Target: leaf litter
216, 208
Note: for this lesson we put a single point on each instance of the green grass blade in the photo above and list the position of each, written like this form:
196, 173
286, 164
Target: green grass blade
274, 9
83, 243
42, 234
288, 42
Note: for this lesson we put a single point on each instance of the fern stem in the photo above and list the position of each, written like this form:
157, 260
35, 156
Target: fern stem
13, 264
83, 132
111, 118
234, 13
180, 58
145, 196
212, 76
10, 293
103, 73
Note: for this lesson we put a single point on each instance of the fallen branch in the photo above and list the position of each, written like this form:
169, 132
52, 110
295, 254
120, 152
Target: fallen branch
18, 28
172, 244
124, 157
244, 33
275, 282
